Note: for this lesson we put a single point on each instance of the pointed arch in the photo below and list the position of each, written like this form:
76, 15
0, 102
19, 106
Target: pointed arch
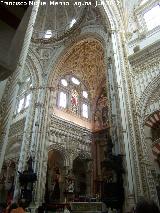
147, 94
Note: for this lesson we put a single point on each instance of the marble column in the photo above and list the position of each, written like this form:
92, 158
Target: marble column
42, 149
120, 79
18, 76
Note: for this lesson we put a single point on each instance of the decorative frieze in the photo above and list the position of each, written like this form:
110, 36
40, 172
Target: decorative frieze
141, 79
69, 136
17, 127
139, 60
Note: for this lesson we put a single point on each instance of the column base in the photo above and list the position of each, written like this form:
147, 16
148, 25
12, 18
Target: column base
130, 202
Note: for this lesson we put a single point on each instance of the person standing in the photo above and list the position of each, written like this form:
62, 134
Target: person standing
145, 206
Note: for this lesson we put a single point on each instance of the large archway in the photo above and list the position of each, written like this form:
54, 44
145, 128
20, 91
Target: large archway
82, 175
152, 139
71, 63
54, 177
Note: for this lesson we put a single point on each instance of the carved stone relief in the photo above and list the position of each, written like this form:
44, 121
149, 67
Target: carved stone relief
85, 60
70, 137
101, 117
144, 71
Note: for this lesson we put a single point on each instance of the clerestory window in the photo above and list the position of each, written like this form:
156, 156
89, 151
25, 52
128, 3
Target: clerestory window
152, 17
48, 34
24, 95
73, 96
143, 2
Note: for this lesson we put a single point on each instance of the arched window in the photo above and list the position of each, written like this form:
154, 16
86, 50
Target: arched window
73, 96
152, 17
24, 95
143, 2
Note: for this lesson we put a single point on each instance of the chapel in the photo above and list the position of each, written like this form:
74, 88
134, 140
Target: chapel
80, 103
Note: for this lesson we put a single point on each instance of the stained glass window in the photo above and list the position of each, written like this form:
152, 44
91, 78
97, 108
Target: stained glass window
63, 100
28, 97
48, 34
20, 106
73, 96
64, 82
24, 95
74, 101
85, 94
75, 81
85, 110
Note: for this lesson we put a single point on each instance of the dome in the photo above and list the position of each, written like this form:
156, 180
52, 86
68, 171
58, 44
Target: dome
55, 18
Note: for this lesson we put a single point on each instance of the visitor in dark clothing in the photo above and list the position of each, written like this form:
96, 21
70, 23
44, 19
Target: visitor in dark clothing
145, 206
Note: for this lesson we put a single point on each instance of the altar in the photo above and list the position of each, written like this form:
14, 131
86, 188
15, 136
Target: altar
88, 207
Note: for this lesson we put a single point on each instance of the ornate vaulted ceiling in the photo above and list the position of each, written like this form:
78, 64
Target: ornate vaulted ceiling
58, 19
86, 61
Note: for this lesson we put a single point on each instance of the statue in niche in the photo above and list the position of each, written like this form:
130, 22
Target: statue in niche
105, 115
101, 113
97, 119
69, 188
74, 101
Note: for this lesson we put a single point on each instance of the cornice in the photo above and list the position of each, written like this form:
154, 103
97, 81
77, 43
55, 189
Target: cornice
69, 127
145, 6
150, 52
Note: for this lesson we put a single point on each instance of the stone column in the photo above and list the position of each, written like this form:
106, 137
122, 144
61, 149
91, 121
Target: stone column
37, 122
34, 149
147, 169
41, 154
89, 177
124, 113
8, 164
18, 75
25, 152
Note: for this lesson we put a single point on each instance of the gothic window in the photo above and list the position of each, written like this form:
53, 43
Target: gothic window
72, 22
28, 97
64, 82
152, 17
85, 110
48, 34
20, 105
63, 100
73, 96
75, 81
85, 94
143, 2
24, 96
74, 101
147, 15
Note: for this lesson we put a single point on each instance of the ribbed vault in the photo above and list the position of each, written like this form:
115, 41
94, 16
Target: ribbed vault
86, 61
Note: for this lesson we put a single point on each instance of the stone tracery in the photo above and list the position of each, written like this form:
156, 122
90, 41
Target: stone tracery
84, 60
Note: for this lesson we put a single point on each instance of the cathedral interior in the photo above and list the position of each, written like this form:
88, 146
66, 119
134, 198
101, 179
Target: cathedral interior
80, 102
